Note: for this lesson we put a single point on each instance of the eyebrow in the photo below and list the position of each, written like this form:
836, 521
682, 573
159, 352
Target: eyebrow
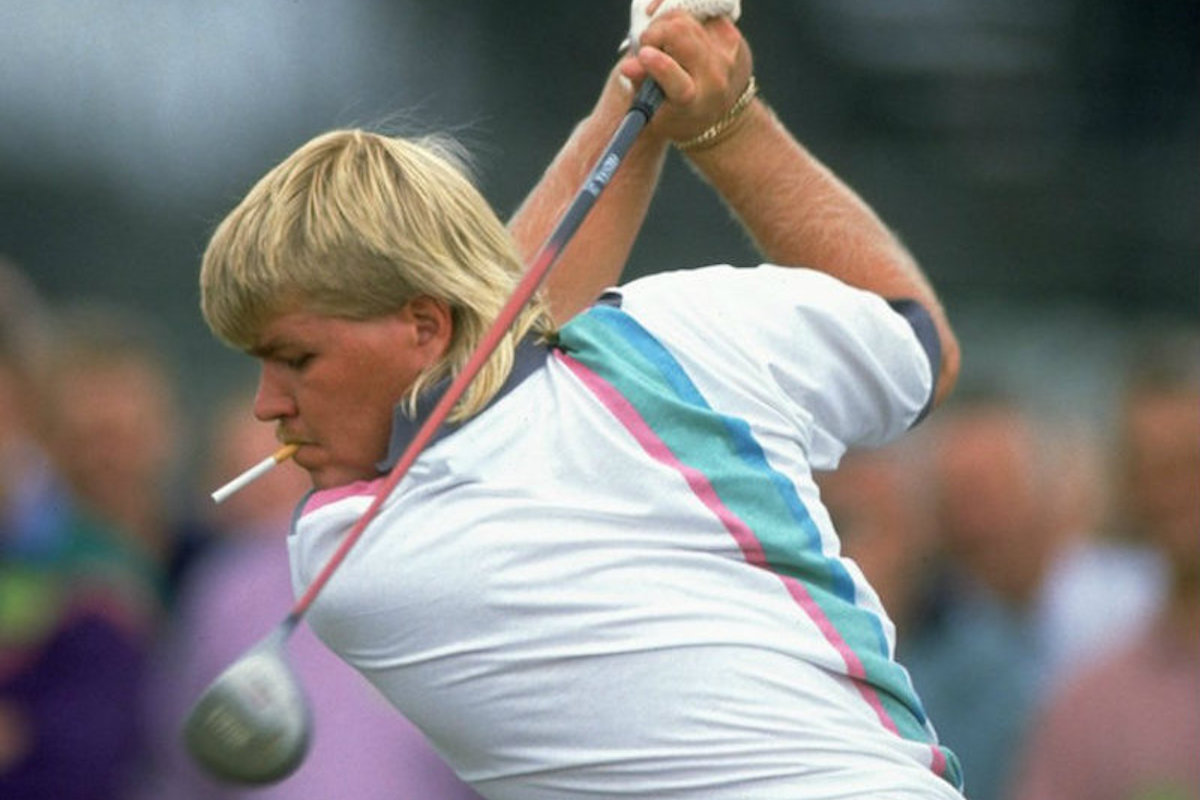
280, 340
267, 350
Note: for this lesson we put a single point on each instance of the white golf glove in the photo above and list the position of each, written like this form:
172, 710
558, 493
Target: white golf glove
700, 9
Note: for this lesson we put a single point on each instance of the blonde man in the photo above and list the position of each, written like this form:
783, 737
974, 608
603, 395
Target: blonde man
611, 574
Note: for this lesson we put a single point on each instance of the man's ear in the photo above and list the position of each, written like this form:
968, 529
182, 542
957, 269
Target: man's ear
433, 321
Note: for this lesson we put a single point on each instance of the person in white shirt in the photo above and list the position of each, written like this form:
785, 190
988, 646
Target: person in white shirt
610, 574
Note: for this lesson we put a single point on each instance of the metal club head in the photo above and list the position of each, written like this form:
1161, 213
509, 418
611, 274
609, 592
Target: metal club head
252, 724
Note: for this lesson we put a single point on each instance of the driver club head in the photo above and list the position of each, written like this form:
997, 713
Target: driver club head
252, 724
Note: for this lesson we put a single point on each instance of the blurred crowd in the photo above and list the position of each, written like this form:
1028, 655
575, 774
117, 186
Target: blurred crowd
1042, 570
1043, 574
124, 591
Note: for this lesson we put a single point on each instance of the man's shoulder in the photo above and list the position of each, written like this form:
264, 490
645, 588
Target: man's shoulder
716, 277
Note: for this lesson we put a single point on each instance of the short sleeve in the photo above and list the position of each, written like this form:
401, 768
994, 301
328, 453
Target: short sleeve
846, 367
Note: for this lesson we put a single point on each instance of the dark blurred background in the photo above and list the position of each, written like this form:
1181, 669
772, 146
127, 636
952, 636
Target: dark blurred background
1040, 158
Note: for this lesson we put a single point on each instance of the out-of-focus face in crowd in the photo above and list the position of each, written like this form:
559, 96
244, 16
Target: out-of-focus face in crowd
112, 430
994, 511
1162, 472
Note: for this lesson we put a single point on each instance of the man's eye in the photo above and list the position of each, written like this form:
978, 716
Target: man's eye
299, 362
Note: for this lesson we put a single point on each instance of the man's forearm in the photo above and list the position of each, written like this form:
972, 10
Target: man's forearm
598, 251
799, 213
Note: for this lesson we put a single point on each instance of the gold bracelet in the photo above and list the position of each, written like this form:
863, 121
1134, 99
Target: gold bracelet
723, 127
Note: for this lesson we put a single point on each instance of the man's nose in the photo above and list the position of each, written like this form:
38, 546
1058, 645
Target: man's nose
273, 400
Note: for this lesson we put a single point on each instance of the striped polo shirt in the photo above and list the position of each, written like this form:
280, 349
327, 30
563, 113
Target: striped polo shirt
619, 580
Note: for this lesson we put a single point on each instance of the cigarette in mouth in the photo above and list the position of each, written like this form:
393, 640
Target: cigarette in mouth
255, 472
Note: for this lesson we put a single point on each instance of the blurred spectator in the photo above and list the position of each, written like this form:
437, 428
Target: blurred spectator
239, 593
77, 607
1091, 564
21, 459
117, 434
1127, 728
1013, 604
880, 504
24, 467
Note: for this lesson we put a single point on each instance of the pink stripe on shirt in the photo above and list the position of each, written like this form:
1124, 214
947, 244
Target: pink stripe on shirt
323, 497
747, 541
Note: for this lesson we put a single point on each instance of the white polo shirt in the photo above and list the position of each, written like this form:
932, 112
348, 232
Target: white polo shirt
619, 580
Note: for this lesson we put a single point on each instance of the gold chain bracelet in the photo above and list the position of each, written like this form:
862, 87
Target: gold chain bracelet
725, 125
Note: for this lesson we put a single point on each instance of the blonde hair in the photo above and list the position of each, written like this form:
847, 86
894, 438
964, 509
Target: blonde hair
354, 225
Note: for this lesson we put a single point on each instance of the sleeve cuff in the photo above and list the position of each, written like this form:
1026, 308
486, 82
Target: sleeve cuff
919, 319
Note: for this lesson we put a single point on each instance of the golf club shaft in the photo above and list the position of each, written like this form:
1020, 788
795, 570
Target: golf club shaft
648, 98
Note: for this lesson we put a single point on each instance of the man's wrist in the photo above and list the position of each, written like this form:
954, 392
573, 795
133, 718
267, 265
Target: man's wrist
724, 127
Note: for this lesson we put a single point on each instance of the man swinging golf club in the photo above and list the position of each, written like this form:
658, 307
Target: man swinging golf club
609, 572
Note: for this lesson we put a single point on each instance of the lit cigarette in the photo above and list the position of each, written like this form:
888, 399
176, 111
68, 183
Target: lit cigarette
255, 472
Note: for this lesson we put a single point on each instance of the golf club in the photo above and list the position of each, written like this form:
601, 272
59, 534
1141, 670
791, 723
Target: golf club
252, 724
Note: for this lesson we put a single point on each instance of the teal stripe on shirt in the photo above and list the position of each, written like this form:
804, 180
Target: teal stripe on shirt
612, 344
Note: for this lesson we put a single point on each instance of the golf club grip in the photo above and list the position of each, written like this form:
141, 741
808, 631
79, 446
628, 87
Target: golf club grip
645, 103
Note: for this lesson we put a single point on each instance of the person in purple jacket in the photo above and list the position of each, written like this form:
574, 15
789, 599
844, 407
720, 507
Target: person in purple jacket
79, 603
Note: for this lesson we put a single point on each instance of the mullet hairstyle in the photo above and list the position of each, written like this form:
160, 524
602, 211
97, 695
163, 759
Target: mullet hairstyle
354, 225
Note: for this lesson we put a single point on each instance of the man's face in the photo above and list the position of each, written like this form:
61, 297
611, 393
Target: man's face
1162, 471
331, 384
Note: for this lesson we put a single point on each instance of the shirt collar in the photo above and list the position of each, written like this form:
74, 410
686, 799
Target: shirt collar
531, 353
